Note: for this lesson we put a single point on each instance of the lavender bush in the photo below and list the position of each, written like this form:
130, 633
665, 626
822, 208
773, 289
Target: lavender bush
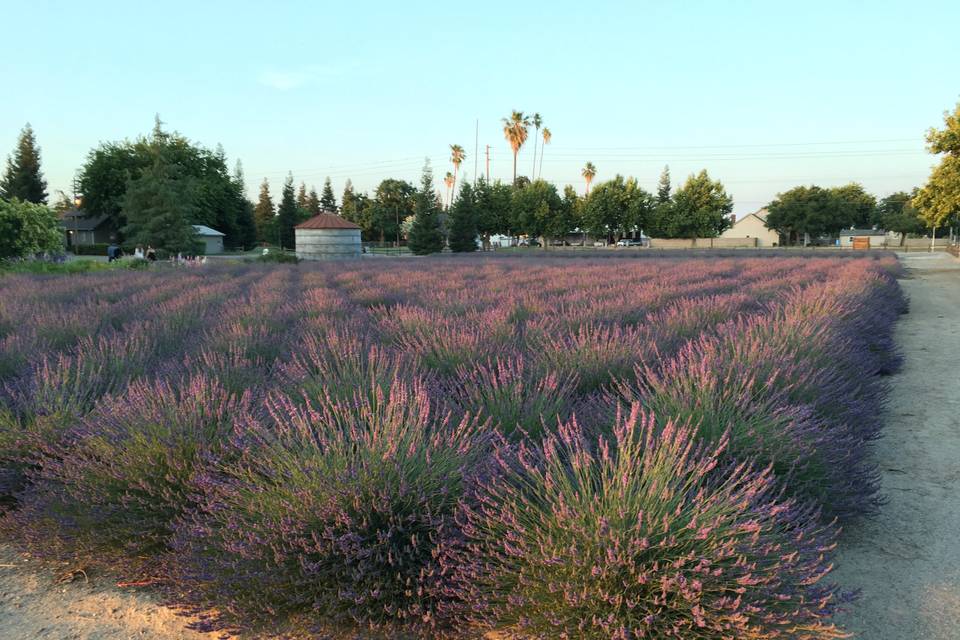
637, 537
317, 441
114, 486
336, 511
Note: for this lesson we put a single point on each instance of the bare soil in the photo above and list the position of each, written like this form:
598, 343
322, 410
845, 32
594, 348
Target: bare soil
907, 559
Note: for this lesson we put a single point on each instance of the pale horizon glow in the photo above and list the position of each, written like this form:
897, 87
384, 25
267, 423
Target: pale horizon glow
764, 97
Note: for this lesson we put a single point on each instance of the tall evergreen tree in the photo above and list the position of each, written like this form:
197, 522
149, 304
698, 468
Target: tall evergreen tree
302, 196
287, 214
263, 214
245, 221
463, 221
328, 201
425, 234
159, 206
663, 187
23, 178
313, 202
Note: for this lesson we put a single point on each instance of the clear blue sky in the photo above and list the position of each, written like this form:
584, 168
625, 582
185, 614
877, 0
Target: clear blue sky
765, 95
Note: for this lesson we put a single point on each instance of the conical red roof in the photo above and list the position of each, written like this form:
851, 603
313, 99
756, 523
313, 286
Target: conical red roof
326, 221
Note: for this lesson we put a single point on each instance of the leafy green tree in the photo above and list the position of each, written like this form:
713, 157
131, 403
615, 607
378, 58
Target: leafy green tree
328, 202
663, 186
699, 209
537, 208
23, 178
463, 221
806, 211
572, 210
616, 208
28, 229
110, 167
493, 208
159, 206
393, 201
263, 215
895, 213
856, 207
938, 201
287, 214
426, 235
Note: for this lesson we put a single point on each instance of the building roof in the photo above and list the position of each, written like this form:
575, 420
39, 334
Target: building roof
204, 230
761, 215
73, 222
326, 221
863, 232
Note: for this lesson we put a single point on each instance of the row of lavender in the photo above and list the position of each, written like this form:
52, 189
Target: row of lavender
558, 448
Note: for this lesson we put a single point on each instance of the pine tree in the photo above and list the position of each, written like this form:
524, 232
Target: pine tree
302, 196
263, 214
348, 206
327, 200
313, 202
287, 214
159, 206
463, 221
245, 221
23, 178
663, 187
425, 234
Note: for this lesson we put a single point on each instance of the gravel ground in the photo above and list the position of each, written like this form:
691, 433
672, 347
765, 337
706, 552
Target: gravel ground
907, 559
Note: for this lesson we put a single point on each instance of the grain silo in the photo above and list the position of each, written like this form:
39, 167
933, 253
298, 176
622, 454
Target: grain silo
327, 236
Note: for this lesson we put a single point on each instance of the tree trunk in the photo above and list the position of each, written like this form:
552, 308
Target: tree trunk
533, 176
515, 167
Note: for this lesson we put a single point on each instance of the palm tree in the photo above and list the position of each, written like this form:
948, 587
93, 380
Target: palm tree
546, 140
515, 131
449, 180
588, 172
537, 122
457, 155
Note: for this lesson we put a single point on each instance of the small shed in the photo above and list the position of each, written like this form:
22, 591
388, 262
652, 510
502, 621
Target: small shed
212, 239
327, 236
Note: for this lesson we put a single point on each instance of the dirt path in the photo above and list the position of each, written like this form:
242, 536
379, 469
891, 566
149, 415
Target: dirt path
33, 606
907, 560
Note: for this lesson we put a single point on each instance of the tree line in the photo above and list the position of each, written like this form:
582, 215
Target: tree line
152, 189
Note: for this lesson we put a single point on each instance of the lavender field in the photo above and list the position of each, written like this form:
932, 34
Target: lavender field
548, 448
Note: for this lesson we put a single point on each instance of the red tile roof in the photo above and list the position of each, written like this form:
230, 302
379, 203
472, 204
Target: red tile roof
326, 221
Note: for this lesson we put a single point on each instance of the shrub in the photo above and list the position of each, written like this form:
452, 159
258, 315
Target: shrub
28, 229
113, 489
336, 512
278, 257
513, 396
643, 536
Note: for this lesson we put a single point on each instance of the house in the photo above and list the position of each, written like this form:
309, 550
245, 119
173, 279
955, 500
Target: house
212, 239
753, 225
81, 229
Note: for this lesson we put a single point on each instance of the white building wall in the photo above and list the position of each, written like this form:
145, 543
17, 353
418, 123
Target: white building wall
752, 226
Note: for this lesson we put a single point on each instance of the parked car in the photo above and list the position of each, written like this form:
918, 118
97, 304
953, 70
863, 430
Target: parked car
629, 242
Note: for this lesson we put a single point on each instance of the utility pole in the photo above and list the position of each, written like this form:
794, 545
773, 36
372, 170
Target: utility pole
488, 164
476, 149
